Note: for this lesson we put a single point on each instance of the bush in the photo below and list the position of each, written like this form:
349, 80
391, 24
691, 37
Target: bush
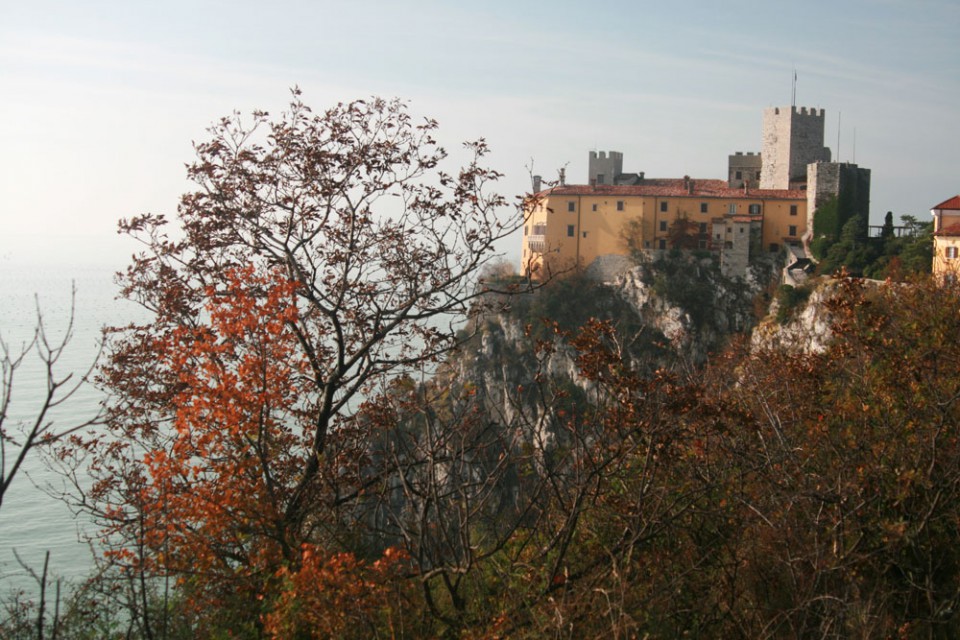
789, 300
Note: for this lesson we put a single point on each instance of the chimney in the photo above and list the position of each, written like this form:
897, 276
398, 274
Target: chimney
563, 176
537, 181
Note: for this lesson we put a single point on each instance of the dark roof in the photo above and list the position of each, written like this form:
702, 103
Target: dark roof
675, 188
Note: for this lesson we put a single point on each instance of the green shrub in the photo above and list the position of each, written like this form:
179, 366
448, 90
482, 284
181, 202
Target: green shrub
789, 300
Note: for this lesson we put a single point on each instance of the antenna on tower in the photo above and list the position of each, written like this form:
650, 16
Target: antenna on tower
793, 95
838, 136
854, 145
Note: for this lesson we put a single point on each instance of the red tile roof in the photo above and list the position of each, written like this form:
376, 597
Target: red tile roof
675, 188
950, 230
952, 203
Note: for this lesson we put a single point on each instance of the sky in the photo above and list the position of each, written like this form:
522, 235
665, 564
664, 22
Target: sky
101, 100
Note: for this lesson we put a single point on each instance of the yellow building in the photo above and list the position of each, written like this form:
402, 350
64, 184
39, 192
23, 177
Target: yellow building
573, 225
946, 238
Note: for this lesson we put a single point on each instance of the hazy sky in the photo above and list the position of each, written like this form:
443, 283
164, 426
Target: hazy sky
100, 100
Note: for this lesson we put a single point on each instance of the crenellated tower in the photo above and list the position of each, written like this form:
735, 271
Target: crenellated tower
792, 139
605, 167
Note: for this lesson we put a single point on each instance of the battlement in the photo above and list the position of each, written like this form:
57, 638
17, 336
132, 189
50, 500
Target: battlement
745, 153
800, 111
602, 155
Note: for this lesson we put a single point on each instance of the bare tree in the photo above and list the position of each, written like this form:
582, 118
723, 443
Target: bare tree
19, 437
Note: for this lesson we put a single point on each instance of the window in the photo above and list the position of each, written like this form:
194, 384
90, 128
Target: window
774, 247
703, 227
703, 207
571, 206
733, 208
663, 244
741, 229
950, 253
619, 205
526, 230
739, 175
663, 225
570, 231
599, 178
758, 175
584, 234
793, 209
593, 207
539, 229
754, 208
663, 206
793, 230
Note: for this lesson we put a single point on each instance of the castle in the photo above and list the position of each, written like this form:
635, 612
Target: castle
771, 201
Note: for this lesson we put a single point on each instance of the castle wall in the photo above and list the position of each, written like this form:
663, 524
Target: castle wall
784, 222
823, 184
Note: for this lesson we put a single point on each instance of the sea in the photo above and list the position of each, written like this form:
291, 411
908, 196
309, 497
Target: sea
33, 521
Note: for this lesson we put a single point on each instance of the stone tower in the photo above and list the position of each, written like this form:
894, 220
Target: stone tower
792, 139
743, 169
604, 168
837, 192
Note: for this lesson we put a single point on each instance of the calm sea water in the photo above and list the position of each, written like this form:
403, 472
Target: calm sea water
31, 521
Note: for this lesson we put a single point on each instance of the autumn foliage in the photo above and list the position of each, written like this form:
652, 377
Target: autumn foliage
215, 493
796, 494
338, 596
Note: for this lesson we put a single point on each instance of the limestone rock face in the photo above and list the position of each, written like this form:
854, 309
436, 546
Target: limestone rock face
808, 328
660, 327
663, 323
701, 319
